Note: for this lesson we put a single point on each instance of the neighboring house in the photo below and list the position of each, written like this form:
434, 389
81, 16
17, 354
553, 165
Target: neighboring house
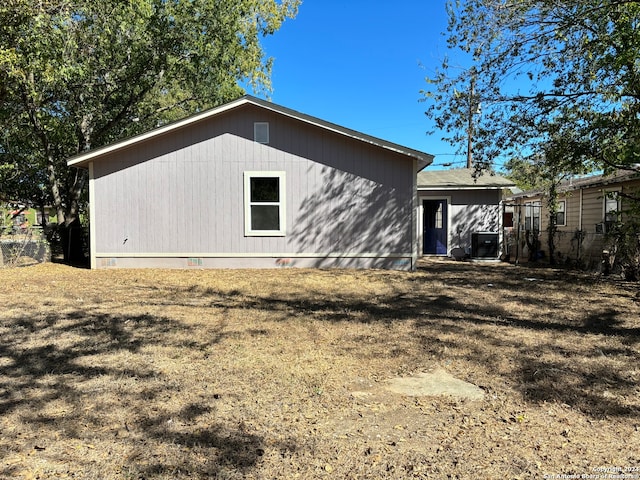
587, 208
461, 214
14, 217
253, 184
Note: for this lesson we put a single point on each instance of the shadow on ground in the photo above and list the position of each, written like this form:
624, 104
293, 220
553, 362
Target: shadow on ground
480, 313
517, 325
49, 378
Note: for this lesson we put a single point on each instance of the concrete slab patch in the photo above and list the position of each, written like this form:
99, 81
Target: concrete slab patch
438, 382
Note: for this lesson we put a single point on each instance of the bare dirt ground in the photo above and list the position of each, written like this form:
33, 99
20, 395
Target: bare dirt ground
275, 374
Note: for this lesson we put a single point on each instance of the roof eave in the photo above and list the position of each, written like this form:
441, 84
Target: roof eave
463, 187
424, 159
82, 160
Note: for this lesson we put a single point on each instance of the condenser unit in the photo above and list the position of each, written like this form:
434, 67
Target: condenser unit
484, 245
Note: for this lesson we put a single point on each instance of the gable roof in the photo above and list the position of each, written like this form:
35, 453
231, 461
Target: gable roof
599, 180
82, 159
461, 178
589, 181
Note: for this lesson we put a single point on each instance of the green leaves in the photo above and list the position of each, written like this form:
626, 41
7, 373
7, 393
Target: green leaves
553, 76
74, 74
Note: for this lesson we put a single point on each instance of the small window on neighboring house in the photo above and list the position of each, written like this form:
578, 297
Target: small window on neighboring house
536, 216
507, 220
532, 216
561, 217
261, 132
611, 207
264, 204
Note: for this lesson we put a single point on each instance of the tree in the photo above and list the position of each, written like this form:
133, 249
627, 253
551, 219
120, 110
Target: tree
78, 74
557, 76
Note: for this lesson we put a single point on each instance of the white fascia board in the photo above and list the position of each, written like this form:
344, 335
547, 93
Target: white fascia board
252, 255
452, 188
92, 154
424, 159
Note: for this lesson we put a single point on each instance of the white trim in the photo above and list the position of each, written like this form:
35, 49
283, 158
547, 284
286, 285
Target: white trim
435, 197
423, 189
281, 204
501, 211
563, 224
415, 235
92, 217
424, 159
618, 199
580, 213
535, 208
99, 152
252, 255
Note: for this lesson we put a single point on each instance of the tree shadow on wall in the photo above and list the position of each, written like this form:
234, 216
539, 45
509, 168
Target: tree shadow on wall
351, 214
471, 219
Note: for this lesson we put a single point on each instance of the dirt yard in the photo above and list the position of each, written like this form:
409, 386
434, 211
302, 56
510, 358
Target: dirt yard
283, 374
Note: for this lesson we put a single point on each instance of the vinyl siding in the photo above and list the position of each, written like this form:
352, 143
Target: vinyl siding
182, 193
584, 209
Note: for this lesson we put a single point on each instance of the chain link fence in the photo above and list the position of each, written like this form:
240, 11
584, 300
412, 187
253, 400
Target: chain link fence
23, 246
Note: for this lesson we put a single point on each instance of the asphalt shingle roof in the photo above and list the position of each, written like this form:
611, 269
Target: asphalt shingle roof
461, 178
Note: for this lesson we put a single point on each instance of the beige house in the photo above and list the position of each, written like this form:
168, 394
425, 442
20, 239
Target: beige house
587, 208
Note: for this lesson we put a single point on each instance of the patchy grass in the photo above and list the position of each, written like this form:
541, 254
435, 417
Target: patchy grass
153, 374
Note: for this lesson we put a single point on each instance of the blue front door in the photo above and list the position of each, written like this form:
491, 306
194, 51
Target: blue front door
435, 227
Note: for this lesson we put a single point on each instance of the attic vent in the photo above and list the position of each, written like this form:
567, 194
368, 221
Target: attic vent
261, 132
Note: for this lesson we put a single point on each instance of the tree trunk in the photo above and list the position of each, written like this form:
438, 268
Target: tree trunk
72, 239
551, 244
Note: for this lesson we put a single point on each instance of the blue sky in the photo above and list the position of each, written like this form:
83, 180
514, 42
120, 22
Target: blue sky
361, 64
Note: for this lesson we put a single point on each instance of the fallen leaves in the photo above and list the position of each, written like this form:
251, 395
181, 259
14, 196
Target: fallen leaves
233, 374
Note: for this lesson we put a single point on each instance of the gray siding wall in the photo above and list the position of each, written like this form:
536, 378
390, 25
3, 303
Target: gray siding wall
469, 211
182, 193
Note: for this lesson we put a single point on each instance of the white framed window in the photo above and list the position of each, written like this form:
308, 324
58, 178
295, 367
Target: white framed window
611, 206
561, 214
532, 216
261, 132
264, 204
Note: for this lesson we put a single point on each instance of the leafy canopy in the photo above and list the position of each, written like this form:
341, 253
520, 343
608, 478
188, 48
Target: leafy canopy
558, 79
77, 74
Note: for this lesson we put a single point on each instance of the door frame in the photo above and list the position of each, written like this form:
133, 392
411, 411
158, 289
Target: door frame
421, 199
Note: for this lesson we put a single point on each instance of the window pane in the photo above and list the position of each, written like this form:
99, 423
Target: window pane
265, 189
560, 220
611, 204
527, 223
439, 216
265, 217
